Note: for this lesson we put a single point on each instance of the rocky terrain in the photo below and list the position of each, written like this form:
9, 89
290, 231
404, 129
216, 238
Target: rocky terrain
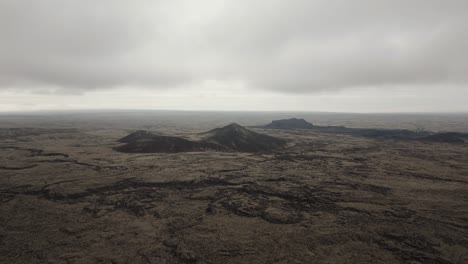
67, 196
232, 137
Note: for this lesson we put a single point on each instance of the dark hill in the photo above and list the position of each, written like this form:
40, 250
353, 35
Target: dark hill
229, 138
239, 138
292, 123
137, 135
164, 144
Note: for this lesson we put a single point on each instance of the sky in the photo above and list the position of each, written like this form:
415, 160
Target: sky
260, 55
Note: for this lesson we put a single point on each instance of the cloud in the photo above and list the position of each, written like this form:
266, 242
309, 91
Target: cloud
288, 46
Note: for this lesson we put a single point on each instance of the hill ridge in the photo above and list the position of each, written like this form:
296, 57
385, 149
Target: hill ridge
232, 137
291, 123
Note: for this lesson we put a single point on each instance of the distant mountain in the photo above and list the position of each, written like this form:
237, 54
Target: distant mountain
232, 137
292, 123
400, 134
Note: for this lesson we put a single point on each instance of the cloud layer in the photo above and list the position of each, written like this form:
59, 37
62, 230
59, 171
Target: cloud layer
288, 46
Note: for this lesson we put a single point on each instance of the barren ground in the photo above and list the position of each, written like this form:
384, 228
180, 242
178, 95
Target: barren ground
67, 197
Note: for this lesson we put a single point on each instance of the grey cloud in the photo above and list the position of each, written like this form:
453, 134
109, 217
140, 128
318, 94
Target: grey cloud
289, 46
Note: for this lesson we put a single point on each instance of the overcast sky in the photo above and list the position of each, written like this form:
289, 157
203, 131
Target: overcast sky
306, 55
